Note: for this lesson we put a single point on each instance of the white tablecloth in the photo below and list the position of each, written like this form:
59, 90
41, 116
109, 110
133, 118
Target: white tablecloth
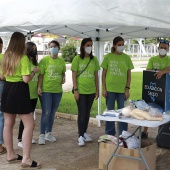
133, 121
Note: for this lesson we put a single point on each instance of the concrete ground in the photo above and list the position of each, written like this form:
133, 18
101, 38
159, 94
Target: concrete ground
65, 154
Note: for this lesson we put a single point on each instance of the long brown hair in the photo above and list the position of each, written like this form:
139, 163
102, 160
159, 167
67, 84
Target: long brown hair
82, 51
115, 41
13, 54
31, 53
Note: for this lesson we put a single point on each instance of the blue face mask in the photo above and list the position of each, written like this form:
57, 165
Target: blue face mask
54, 50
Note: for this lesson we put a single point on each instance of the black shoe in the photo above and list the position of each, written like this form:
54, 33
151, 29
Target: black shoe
144, 135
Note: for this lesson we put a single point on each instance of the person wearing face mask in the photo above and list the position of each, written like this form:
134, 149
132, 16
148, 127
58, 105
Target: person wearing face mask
31, 52
161, 63
116, 79
85, 82
51, 78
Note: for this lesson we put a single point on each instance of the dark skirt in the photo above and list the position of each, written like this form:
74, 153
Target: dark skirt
16, 98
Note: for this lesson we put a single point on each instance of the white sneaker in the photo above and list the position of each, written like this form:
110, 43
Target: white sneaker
20, 144
87, 137
81, 141
33, 141
50, 137
41, 140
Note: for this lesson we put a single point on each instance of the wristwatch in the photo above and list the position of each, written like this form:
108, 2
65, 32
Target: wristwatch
127, 87
76, 89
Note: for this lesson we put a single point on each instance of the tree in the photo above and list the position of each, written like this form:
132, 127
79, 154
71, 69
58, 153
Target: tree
69, 50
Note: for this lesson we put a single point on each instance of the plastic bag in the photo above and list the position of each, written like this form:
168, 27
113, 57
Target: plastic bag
129, 103
154, 112
141, 104
155, 105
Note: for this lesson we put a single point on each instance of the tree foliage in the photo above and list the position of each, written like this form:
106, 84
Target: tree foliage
69, 50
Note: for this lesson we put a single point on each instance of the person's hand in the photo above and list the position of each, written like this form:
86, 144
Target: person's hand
36, 69
127, 94
159, 74
63, 80
76, 95
96, 95
39, 91
104, 93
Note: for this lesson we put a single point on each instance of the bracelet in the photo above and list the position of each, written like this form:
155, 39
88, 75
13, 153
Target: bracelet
33, 72
127, 87
75, 89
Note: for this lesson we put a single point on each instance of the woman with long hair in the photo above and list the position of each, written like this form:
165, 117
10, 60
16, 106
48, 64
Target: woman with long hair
86, 87
50, 80
31, 52
116, 79
16, 99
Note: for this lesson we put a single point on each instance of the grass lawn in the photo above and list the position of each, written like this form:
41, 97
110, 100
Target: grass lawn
68, 104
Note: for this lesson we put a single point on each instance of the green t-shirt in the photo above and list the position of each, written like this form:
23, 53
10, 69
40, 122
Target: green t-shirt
52, 70
33, 84
158, 63
117, 67
1, 55
22, 70
86, 81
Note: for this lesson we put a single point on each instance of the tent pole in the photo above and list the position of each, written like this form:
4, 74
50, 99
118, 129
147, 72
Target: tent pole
99, 51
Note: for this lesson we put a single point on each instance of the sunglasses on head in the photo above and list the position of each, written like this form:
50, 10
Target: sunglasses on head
164, 42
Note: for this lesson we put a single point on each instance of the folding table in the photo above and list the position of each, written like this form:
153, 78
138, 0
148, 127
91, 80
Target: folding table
138, 123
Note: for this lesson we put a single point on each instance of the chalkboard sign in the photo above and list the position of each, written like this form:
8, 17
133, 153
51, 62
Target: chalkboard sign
156, 90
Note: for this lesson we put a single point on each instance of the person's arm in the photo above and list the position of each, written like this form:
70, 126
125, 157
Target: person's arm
74, 79
97, 84
162, 72
63, 78
2, 77
127, 88
104, 90
40, 79
28, 78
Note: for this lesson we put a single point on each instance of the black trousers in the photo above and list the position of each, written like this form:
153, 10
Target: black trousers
84, 105
21, 125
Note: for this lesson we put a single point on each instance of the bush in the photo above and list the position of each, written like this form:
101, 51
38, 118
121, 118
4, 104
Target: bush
68, 51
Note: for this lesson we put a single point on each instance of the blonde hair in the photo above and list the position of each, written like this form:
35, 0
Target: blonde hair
13, 54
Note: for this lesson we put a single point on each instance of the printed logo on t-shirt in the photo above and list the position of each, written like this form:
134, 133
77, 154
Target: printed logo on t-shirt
158, 65
114, 69
86, 73
35, 78
52, 72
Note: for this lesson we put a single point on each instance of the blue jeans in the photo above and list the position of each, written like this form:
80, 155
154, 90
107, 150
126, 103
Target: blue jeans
49, 103
110, 102
1, 114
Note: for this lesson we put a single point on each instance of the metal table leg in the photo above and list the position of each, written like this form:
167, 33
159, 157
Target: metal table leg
142, 158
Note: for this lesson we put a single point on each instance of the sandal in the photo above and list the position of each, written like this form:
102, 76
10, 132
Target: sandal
3, 150
34, 165
15, 160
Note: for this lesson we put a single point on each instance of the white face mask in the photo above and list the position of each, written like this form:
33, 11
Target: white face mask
120, 49
88, 50
162, 52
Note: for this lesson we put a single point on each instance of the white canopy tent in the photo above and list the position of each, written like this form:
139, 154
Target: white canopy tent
101, 20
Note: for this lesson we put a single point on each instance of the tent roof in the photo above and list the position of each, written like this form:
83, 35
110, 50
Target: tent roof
102, 19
